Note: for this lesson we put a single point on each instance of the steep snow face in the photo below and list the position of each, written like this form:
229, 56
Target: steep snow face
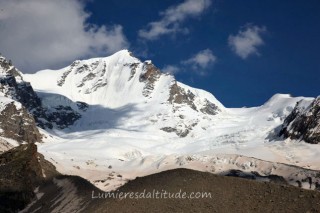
112, 82
123, 92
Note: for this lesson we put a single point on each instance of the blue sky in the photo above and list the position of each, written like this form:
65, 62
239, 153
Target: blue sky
243, 52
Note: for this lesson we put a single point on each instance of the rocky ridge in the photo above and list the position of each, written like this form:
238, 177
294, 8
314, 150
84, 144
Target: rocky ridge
303, 123
16, 123
13, 86
22, 169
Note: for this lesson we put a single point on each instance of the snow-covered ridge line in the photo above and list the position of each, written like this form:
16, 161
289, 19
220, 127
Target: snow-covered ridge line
107, 80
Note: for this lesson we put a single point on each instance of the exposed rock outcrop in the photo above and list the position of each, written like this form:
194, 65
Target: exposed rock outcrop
133, 67
14, 87
178, 95
303, 123
150, 75
209, 108
179, 132
65, 74
22, 169
7, 67
92, 76
63, 116
16, 123
5, 145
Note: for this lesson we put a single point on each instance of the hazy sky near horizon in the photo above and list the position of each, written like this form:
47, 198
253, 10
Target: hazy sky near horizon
242, 52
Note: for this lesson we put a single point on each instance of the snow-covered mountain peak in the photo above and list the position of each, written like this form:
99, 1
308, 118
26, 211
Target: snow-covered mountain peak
277, 101
121, 87
116, 81
106, 81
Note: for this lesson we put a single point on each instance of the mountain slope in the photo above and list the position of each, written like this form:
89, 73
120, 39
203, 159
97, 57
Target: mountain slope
106, 81
14, 86
17, 99
22, 169
123, 83
132, 116
30, 183
220, 194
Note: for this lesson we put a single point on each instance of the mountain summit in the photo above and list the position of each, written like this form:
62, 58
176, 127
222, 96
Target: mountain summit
114, 118
106, 81
122, 83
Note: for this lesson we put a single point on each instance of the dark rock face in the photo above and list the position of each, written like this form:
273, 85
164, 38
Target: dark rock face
133, 67
22, 169
178, 95
13, 86
24, 161
88, 77
60, 116
256, 176
182, 130
209, 108
19, 91
82, 106
8, 68
23, 92
150, 76
63, 116
5, 145
180, 133
18, 124
303, 124
65, 74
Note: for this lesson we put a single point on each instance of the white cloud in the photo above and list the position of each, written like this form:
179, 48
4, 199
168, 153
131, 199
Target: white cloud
170, 69
198, 63
246, 42
201, 60
38, 34
173, 17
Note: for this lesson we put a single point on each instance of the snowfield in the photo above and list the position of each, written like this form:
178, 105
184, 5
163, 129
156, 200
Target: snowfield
120, 135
